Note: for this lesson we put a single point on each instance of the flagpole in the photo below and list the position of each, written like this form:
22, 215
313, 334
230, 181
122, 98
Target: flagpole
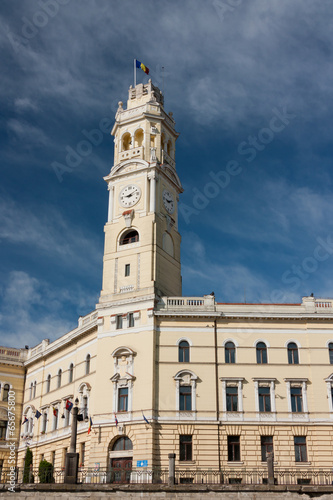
134, 72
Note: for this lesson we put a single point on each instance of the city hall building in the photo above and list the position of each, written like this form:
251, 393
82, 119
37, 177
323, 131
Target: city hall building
219, 385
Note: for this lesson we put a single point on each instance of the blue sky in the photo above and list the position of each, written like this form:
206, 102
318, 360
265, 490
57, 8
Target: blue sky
250, 85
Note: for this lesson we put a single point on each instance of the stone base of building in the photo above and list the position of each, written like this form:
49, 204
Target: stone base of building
157, 492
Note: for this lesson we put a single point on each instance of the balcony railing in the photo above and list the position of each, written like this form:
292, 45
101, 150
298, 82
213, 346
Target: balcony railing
131, 153
184, 475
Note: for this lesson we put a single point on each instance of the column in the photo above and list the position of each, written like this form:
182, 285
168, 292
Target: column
152, 176
110, 208
288, 396
256, 394
224, 394
305, 397
194, 395
273, 403
177, 395
240, 395
329, 395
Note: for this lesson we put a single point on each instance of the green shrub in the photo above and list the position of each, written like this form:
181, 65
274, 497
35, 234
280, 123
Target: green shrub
27, 475
45, 472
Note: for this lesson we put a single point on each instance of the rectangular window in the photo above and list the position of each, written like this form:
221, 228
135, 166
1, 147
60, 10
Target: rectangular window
82, 454
264, 399
332, 394
300, 449
296, 399
130, 319
185, 448
233, 449
44, 423
185, 398
266, 447
64, 453
3, 429
232, 398
127, 269
52, 457
123, 399
119, 321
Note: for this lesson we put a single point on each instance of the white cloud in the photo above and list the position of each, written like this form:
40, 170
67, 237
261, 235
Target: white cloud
25, 104
48, 232
31, 309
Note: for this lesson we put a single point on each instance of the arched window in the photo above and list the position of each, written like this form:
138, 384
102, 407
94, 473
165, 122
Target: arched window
59, 378
126, 141
330, 352
163, 141
123, 443
5, 392
169, 148
138, 138
70, 373
35, 388
261, 353
48, 383
129, 237
88, 364
183, 352
292, 353
230, 352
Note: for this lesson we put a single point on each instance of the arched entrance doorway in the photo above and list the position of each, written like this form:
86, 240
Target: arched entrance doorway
121, 457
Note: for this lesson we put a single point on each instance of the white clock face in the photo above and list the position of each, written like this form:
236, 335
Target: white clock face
168, 201
129, 195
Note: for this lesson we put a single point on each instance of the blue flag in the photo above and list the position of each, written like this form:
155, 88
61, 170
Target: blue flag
38, 414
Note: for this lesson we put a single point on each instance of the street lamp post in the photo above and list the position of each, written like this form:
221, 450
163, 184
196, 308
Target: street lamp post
72, 458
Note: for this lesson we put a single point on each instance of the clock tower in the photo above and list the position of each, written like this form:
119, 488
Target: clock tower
142, 242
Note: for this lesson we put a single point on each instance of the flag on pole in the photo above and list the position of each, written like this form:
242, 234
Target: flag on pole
90, 425
142, 66
116, 420
69, 405
38, 414
25, 421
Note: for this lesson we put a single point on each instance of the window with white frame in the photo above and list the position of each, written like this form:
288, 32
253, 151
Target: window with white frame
229, 352
44, 421
88, 357
35, 389
232, 392
123, 379
84, 397
186, 387
297, 395
70, 373
48, 383
3, 429
264, 395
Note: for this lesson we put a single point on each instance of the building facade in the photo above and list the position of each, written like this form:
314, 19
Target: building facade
12, 377
217, 384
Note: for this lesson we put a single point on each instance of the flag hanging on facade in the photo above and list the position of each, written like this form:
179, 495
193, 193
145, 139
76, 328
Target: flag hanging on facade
55, 411
142, 66
69, 405
38, 414
145, 419
90, 426
116, 420
25, 420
